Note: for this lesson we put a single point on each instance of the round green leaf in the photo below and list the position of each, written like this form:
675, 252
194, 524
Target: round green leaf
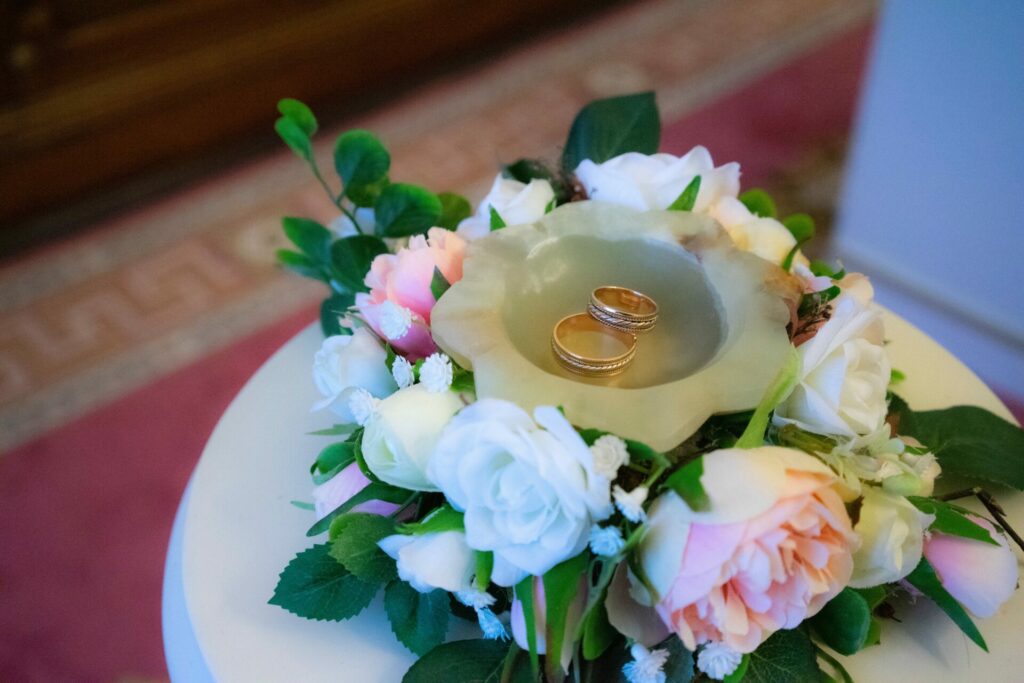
465, 661
843, 624
454, 209
404, 210
351, 258
299, 113
418, 620
607, 128
362, 162
295, 137
312, 238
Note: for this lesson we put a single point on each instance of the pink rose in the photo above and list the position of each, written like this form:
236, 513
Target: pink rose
775, 546
979, 575
400, 300
342, 486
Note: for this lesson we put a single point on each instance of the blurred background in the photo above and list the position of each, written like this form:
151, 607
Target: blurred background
142, 185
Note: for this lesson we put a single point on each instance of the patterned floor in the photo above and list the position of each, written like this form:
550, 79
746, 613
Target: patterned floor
84, 322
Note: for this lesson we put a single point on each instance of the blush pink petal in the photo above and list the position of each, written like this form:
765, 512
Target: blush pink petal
341, 487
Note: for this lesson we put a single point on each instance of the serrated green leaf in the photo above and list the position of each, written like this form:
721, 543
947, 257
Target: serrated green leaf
454, 209
438, 284
418, 620
295, 137
362, 163
310, 237
786, 657
561, 584
759, 202
924, 579
465, 661
968, 441
351, 258
497, 222
844, 623
354, 539
300, 264
332, 309
607, 128
375, 490
444, 518
299, 113
316, 586
688, 197
950, 521
404, 210
686, 483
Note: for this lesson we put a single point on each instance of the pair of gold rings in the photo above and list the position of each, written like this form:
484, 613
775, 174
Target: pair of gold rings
602, 342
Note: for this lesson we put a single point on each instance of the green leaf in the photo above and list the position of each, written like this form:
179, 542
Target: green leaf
334, 456
924, 579
836, 272
786, 657
607, 128
759, 202
336, 430
740, 671
638, 451
444, 518
375, 490
679, 667
438, 284
354, 539
969, 442
404, 210
310, 237
362, 163
351, 258
418, 620
525, 170
688, 197
598, 633
561, 584
295, 137
332, 309
298, 113
524, 592
316, 586
780, 388
465, 661
454, 209
497, 222
949, 520
800, 225
301, 264
484, 566
844, 623
686, 483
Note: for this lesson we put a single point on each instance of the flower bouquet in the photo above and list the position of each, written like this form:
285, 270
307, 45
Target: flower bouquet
618, 420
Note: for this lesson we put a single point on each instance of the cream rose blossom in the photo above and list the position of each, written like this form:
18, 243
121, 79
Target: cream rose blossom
891, 532
528, 487
433, 560
775, 546
346, 363
762, 236
514, 202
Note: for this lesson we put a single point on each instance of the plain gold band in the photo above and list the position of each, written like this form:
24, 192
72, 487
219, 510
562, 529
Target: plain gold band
589, 365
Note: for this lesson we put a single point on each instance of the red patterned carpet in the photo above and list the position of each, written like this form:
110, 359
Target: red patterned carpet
87, 501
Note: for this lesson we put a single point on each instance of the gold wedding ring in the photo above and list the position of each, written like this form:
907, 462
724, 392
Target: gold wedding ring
585, 346
624, 309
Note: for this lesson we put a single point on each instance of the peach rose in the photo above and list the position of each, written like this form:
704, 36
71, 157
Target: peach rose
775, 546
400, 300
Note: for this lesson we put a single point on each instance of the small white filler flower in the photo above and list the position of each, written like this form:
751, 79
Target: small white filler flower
395, 320
401, 370
363, 406
491, 626
606, 541
436, 373
610, 454
475, 598
646, 666
630, 503
718, 660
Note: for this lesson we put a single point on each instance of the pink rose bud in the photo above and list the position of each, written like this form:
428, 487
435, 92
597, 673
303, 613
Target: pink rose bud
540, 620
979, 575
342, 486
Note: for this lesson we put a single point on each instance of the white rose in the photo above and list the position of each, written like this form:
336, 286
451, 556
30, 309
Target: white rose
844, 374
433, 560
514, 201
401, 435
346, 363
891, 530
342, 226
652, 182
764, 237
529, 489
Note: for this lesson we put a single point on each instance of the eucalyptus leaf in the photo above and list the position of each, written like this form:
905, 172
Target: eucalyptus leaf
607, 128
759, 202
968, 441
924, 579
316, 586
354, 539
295, 137
299, 113
301, 264
310, 237
404, 210
362, 163
800, 225
351, 258
418, 620
454, 209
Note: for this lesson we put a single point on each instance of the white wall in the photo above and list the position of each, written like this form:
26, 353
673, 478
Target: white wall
933, 204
